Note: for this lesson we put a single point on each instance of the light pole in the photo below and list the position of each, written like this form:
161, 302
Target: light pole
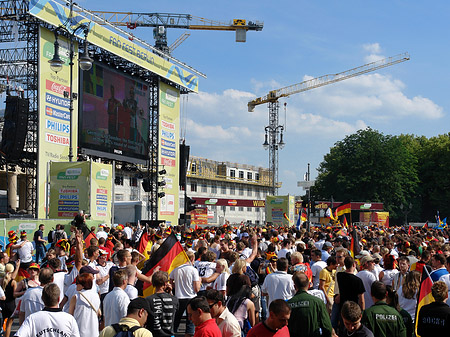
85, 63
273, 141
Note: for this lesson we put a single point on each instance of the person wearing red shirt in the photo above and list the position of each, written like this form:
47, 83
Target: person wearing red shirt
199, 313
276, 323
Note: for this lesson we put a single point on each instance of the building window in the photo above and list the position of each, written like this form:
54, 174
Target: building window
232, 173
204, 188
249, 192
257, 176
241, 174
224, 189
118, 197
194, 168
118, 180
241, 209
213, 189
241, 191
232, 208
133, 181
193, 187
134, 194
249, 209
249, 176
232, 190
257, 194
223, 208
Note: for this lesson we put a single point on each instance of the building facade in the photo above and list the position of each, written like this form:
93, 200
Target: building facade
229, 191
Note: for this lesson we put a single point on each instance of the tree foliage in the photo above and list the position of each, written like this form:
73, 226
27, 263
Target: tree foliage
397, 170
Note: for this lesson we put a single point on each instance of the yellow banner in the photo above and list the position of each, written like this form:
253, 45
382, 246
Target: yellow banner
54, 116
101, 186
168, 152
57, 15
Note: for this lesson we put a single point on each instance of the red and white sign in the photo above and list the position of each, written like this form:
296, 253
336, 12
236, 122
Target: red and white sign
56, 87
167, 162
167, 125
56, 139
232, 202
102, 191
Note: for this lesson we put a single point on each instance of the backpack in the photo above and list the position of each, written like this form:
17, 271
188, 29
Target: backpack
124, 331
50, 236
252, 275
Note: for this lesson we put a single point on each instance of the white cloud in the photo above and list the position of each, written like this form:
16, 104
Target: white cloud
373, 48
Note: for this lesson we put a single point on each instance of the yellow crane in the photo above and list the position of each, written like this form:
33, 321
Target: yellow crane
274, 131
162, 21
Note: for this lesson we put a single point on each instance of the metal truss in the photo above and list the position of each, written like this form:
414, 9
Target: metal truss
19, 66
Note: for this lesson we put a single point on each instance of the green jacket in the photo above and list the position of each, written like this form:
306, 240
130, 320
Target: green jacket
309, 316
384, 321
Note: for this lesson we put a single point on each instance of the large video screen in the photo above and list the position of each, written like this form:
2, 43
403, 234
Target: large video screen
114, 114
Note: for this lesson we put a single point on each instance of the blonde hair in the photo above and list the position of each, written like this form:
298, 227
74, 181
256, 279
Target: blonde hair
224, 263
297, 256
238, 266
9, 269
411, 284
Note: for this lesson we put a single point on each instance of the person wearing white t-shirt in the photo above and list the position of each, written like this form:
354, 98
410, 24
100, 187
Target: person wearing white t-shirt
50, 322
186, 281
25, 251
206, 267
32, 299
279, 285
316, 268
367, 276
116, 302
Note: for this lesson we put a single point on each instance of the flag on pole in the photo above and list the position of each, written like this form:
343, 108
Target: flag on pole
354, 244
343, 208
424, 297
145, 244
345, 223
168, 256
409, 230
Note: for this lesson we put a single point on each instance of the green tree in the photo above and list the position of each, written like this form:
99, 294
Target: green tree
369, 166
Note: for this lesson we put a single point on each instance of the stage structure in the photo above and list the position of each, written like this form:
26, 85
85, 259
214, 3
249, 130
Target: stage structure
118, 102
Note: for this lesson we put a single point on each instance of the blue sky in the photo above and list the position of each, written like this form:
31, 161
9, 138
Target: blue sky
300, 40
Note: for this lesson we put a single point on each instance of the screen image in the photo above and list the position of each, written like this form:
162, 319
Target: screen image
114, 114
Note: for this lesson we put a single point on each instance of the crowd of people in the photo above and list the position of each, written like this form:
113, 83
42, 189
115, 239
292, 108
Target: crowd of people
238, 281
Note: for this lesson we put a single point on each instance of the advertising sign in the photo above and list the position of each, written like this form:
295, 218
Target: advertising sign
168, 152
101, 191
54, 114
80, 186
69, 189
57, 15
280, 210
199, 216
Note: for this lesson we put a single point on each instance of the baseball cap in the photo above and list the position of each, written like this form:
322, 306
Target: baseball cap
376, 256
366, 259
362, 254
327, 244
88, 269
139, 303
34, 265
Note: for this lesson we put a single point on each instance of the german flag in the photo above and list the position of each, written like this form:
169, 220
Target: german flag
22, 273
169, 256
354, 244
343, 209
344, 221
304, 216
145, 244
424, 297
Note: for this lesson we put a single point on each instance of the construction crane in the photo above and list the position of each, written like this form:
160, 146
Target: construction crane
274, 131
162, 21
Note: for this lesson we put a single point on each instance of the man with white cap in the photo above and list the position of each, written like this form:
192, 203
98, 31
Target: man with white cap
368, 277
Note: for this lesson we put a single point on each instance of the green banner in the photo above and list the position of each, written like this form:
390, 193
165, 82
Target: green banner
69, 189
168, 152
280, 210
